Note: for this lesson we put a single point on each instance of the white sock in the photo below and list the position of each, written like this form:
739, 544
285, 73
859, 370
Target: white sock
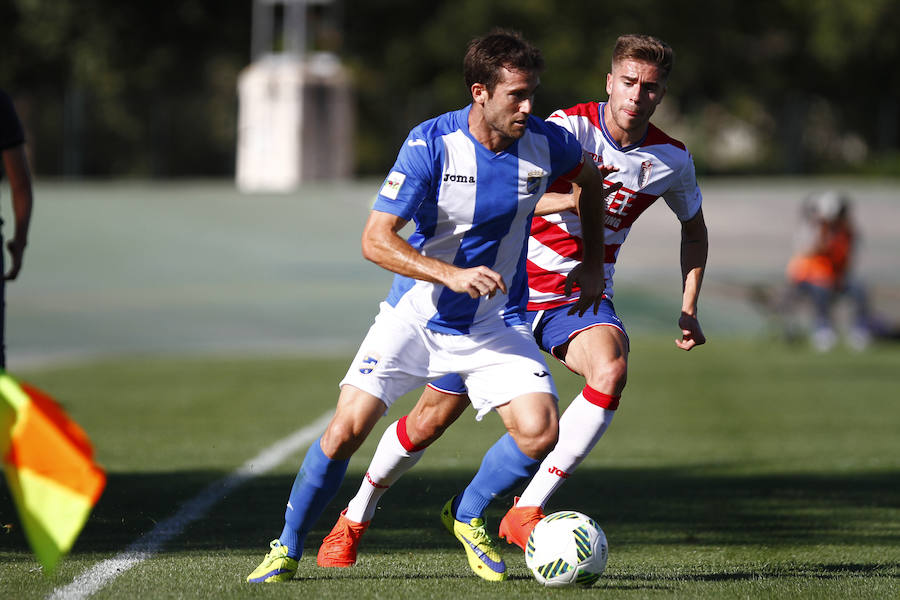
580, 428
391, 460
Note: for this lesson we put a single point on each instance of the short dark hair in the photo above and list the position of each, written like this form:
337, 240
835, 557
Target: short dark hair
488, 55
645, 48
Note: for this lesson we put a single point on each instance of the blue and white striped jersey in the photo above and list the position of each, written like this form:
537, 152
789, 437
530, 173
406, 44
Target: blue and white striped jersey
471, 207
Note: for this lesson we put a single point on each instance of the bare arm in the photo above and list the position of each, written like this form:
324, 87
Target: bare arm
383, 246
554, 202
591, 209
16, 165
694, 250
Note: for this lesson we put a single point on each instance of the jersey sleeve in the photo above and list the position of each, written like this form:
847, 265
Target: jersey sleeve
11, 131
567, 154
410, 179
561, 119
684, 197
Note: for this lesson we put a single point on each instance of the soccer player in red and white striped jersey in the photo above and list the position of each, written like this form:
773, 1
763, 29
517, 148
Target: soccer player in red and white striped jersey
650, 165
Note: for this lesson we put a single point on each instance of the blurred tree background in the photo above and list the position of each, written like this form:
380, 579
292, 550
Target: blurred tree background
110, 88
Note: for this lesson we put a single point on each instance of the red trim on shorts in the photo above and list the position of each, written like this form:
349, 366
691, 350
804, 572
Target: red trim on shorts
449, 392
600, 399
574, 333
404, 438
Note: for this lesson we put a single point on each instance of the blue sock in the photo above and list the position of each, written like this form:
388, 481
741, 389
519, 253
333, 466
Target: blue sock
503, 468
316, 484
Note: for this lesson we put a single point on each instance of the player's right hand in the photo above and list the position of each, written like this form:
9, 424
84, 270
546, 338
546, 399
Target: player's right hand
591, 287
477, 282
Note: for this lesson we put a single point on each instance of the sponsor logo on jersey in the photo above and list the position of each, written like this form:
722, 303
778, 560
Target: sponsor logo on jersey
644, 176
392, 185
368, 363
416, 142
542, 374
625, 206
620, 203
459, 178
533, 182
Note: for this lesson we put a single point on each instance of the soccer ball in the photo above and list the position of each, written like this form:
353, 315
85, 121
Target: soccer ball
567, 548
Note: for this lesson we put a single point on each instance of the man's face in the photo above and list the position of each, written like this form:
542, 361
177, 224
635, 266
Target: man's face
506, 110
635, 89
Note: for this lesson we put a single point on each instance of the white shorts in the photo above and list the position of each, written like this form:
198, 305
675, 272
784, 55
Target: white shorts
398, 356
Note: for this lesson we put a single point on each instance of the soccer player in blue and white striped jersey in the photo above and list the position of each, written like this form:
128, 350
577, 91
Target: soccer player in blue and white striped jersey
470, 180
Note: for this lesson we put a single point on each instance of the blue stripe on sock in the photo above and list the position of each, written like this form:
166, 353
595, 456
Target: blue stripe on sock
502, 470
316, 484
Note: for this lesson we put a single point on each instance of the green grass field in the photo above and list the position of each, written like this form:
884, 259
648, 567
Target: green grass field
739, 470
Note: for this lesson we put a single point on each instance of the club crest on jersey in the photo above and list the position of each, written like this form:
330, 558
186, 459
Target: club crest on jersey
368, 363
644, 176
533, 182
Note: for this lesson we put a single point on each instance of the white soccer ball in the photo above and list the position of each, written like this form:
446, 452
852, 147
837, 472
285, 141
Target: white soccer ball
567, 548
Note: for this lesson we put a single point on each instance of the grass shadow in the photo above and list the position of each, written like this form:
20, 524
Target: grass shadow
635, 506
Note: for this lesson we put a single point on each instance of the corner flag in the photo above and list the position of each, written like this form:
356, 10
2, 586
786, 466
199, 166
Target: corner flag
48, 460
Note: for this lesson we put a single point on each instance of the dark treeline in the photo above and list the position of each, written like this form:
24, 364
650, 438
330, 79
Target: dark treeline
110, 88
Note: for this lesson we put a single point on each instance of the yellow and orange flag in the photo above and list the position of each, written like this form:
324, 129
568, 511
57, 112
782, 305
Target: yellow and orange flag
48, 460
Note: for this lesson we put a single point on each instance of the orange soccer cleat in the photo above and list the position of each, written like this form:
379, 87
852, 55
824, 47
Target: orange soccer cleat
519, 522
339, 547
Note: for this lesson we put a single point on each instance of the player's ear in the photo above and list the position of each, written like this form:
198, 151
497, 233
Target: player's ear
608, 83
479, 93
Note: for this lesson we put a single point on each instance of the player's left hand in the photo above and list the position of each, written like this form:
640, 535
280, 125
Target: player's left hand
691, 334
592, 286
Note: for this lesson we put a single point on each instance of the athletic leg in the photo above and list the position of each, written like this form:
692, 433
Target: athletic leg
532, 428
531, 422
325, 464
601, 355
400, 448
402, 445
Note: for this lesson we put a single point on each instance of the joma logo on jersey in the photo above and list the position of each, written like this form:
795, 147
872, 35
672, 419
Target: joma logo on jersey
459, 178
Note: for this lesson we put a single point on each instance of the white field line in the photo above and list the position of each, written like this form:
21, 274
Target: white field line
95, 578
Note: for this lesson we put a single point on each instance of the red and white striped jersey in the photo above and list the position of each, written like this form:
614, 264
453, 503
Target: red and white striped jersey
656, 166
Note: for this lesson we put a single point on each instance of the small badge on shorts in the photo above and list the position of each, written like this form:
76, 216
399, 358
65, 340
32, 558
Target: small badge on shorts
368, 363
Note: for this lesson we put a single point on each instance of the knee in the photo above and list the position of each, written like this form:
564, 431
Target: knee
432, 415
537, 442
425, 429
609, 377
341, 439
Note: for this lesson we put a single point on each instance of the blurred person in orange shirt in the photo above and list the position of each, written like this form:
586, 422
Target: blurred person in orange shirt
820, 269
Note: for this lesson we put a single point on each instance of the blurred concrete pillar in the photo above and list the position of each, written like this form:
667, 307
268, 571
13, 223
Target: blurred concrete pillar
295, 122
295, 109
